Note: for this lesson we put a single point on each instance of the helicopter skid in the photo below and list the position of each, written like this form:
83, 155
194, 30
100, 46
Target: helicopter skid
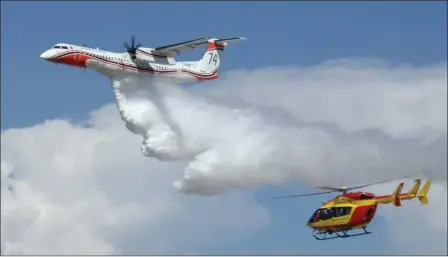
343, 233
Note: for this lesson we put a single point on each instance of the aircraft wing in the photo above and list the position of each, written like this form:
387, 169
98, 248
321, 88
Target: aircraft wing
175, 49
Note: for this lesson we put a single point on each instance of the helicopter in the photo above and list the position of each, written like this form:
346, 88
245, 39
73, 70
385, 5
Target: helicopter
353, 211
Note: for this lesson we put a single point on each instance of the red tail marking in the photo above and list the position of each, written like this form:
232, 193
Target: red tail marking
213, 45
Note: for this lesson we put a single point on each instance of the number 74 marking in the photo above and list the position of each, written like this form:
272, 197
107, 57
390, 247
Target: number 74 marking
213, 57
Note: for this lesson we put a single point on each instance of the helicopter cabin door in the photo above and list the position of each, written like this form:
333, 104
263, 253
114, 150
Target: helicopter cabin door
341, 214
335, 216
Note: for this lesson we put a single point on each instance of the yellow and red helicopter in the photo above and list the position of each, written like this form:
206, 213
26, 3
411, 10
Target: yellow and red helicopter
355, 210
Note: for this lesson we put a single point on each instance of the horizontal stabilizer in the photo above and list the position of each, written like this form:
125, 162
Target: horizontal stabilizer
224, 41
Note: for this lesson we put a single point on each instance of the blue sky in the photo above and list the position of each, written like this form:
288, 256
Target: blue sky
287, 33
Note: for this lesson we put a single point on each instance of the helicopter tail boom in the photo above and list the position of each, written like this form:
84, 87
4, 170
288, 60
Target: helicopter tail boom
396, 197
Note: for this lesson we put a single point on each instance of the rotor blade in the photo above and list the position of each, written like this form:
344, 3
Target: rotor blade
374, 183
291, 196
331, 188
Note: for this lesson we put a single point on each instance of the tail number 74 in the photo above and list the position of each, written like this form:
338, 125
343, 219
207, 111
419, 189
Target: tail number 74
213, 57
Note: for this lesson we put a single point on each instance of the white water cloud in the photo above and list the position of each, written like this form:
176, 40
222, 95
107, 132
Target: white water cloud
342, 122
272, 125
88, 190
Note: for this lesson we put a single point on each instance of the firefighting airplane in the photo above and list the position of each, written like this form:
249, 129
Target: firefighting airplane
157, 62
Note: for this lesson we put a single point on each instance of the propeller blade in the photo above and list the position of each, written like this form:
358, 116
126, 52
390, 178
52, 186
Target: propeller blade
291, 196
132, 41
138, 45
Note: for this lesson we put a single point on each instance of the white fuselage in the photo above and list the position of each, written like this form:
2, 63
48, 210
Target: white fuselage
113, 64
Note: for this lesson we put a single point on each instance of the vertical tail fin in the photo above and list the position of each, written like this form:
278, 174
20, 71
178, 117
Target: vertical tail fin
413, 191
396, 195
422, 195
212, 57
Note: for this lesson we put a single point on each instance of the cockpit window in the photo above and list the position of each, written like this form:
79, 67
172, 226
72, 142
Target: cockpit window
328, 213
315, 216
321, 214
61, 47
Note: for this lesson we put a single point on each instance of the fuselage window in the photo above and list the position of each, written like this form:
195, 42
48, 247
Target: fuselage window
342, 211
369, 212
364, 197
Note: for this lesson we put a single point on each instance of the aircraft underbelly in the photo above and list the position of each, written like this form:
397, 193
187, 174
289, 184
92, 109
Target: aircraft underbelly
95, 65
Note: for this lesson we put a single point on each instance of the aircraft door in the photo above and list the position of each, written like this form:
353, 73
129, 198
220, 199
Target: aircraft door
341, 214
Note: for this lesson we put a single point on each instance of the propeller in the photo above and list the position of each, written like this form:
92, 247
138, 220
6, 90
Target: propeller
335, 189
132, 49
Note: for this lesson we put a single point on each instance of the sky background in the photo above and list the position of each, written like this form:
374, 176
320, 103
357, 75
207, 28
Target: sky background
287, 33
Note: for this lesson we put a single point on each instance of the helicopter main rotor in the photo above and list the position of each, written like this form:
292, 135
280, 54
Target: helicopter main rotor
343, 190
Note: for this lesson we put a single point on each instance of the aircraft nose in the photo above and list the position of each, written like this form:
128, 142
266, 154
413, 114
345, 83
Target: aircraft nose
45, 55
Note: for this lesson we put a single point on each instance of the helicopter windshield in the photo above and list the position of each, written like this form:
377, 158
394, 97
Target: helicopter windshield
321, 214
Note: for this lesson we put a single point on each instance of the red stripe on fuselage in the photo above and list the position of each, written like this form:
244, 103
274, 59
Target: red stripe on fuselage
79, 59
